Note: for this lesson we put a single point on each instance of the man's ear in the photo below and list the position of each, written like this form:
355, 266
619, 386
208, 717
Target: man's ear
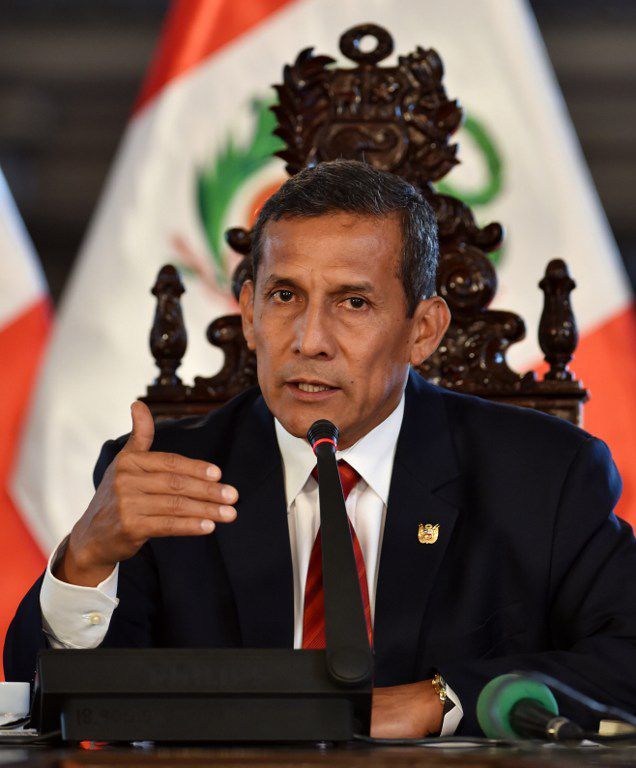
431, 320
246, 304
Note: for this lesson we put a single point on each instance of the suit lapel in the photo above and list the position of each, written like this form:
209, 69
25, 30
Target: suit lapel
424, 467
256, 547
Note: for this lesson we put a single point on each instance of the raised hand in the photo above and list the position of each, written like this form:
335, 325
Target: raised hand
143, 494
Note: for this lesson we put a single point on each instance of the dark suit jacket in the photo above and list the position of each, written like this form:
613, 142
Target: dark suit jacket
531, 569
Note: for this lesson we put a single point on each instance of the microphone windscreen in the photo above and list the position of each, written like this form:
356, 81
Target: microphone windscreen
322, 430
497, 699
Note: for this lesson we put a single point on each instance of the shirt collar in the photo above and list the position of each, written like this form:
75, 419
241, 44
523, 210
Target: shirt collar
372, 456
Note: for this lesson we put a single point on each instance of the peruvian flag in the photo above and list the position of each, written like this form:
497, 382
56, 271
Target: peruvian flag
24, 327
197, 158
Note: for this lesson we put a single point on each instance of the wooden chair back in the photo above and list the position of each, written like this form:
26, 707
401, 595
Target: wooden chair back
399, 119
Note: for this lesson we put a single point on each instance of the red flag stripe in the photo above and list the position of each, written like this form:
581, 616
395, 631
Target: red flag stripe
605, 362
21, 345
194, 30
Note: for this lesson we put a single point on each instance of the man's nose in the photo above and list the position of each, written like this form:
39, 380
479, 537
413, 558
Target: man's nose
313, 335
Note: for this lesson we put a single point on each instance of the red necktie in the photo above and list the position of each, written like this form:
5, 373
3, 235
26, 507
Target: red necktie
314, 610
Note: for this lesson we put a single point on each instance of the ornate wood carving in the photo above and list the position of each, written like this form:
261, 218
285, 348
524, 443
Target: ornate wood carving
558, 334
239, 367
168, 338
168, 396
399, 119
472, 357
240, 240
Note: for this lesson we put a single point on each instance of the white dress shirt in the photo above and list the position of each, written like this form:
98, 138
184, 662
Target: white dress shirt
78, 617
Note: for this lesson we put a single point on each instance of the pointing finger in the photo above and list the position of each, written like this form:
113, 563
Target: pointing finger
157, 461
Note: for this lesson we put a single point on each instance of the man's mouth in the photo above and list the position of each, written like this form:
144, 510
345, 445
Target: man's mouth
315, 388
312, 387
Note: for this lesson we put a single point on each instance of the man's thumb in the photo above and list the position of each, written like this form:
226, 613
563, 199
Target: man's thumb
143, 428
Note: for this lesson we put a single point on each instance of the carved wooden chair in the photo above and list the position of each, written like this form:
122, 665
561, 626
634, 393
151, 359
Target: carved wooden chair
399, 119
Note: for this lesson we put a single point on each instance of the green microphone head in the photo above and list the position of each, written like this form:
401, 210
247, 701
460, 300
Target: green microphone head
497, 699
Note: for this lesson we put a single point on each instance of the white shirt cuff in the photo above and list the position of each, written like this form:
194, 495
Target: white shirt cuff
73, 616
453, 717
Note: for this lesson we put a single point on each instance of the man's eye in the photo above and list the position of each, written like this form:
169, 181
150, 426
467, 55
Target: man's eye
355, 302
283, 296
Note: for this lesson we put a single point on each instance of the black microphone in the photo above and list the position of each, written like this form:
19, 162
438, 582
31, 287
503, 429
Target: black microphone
514, 706
349, 657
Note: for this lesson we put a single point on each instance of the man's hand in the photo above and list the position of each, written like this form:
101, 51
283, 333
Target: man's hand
143, 494
406, 711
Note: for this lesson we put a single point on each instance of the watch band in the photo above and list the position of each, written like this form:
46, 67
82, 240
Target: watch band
439, 684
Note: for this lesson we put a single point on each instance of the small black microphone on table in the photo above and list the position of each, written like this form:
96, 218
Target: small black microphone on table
517, 707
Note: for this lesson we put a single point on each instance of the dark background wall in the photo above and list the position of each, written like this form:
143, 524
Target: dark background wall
70, 70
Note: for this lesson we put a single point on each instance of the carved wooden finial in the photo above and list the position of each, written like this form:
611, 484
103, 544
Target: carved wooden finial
168, 338
558, 334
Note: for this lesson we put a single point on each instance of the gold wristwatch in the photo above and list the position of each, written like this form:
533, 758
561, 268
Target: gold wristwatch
439, 684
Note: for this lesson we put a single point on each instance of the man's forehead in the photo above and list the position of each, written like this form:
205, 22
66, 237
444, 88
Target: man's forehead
341, 241
336, 224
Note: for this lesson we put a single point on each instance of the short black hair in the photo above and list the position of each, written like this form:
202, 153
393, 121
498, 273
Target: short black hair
356, 187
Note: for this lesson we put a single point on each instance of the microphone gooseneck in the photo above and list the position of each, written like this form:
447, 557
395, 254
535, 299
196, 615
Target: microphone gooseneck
514, 706
348, 654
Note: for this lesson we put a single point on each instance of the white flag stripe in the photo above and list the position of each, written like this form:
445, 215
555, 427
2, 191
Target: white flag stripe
553, 180
21, 279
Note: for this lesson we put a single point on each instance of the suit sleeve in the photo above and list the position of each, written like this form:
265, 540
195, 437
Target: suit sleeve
591, 604
26, 635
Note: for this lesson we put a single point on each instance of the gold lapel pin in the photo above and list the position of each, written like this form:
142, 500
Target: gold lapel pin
427, 534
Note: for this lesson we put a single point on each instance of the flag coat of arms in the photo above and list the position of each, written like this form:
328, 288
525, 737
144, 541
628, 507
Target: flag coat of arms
197, 158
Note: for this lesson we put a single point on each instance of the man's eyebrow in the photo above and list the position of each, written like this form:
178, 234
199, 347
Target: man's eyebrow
279, 281
362, 287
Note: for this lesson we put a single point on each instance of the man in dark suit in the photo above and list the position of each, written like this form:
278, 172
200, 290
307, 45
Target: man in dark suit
525, 567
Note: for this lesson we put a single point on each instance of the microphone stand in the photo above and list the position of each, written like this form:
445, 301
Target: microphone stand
349, 657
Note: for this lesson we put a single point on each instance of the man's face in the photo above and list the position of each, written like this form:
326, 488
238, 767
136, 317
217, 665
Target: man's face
327, 318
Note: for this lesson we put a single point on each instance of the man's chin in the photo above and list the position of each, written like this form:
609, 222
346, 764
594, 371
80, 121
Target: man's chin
296, 417
298, 424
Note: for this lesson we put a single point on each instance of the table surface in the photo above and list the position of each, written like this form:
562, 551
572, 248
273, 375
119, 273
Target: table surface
300, 757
